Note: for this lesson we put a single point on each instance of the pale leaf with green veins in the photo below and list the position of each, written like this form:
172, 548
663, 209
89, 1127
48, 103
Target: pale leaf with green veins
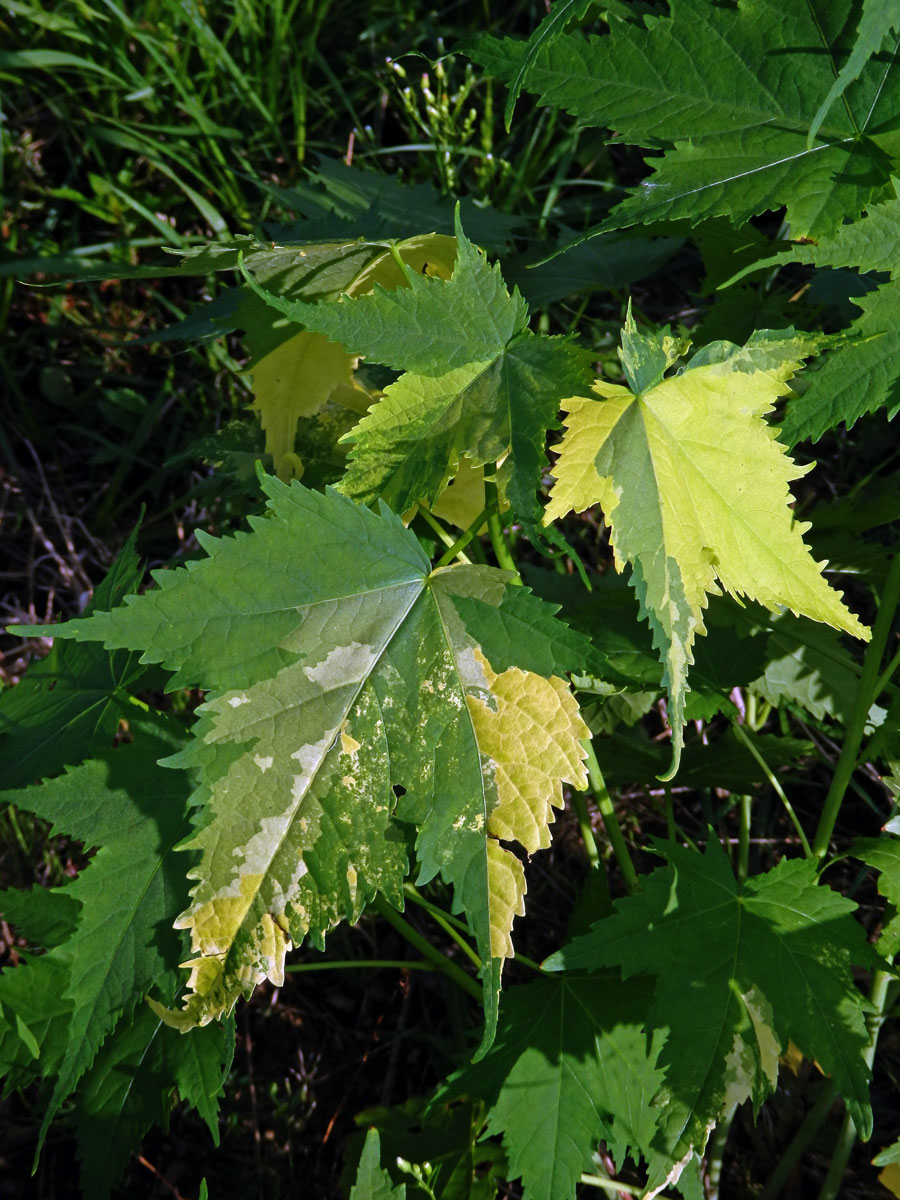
695, 489
741, 969
339, 670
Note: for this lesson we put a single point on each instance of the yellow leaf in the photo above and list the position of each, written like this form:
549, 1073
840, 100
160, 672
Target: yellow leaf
889, 1178
530, 731
296, 380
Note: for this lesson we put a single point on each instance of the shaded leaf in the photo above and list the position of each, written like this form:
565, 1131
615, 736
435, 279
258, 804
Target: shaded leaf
68, 705
883, 853
878, 19
129, 1088
372, 1181
129, 892
571, 1067
741, 969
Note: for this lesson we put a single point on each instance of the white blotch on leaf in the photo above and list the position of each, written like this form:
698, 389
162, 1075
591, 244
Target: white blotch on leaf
263, 762
342, 665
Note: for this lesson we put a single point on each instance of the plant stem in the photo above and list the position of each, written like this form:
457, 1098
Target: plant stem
605, 808
495, 530
881, 995
441, 532
394, 251
593, 850
671, 831
743, 863
715, 1150
445, 923
865, 697
776, 786
425, 948
455, 551
801, 1139
887, 674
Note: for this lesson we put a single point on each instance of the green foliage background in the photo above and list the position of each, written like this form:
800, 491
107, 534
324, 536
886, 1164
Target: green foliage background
402, 247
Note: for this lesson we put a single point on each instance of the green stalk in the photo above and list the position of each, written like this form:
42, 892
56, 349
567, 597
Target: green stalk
495, 530
593, 851
605, 808
441, 532
743, 863
776, 786
716, 1150
887, 674
425, 948
442, 919
809, 1127
455, 551
865, 697
881, 995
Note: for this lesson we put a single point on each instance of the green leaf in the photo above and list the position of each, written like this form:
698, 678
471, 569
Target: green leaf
740, 969
523, 630
478, 383
858, 378
695, 489
729, 93
878, 19
442, 1139
129, 1088
808, 664
871, 243
551, 27
45, 917
129, 892
572, 1065
340, 670
883, 853
296, 374
69, 704
609, 262
372, 1181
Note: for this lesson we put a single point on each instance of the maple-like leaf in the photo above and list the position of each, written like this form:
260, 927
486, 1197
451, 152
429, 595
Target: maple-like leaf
878, 20
476, 384
862, 374
809, 665
741, 969
120, 948
339, 670
694, 487
572, 1065
68, 705
858, 378
129, 1088
729, 93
